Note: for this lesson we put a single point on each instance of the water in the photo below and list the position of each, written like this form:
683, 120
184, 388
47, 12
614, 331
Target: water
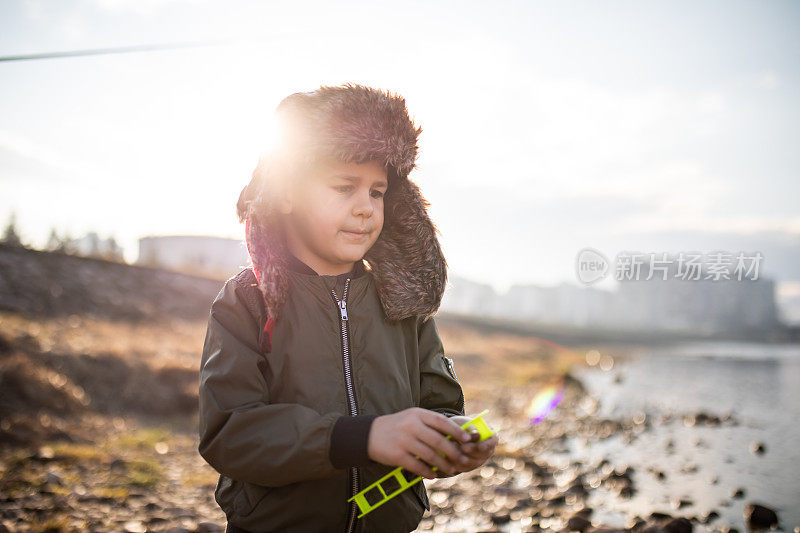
759, 385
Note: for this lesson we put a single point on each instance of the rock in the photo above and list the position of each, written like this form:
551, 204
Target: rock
680, 503
738, 493
578, 523
709, 517
758, 517
656, 515
758, 448
118, 466
134, 526
626, 492
577, 487
678, 525
53, 479
499, 519
621, 474
638, 524
44, 454
209, 527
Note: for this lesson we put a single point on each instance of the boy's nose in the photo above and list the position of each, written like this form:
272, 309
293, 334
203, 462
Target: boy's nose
363, 206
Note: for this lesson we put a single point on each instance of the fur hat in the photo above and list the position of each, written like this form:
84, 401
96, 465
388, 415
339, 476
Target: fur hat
355, 124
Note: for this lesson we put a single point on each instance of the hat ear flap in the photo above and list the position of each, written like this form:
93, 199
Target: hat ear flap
264, 236
407, 263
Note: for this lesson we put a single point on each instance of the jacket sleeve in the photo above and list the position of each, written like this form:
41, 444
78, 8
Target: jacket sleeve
242, 435
439, 388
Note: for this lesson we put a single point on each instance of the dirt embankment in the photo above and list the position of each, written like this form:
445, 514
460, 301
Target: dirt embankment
80, 335
48, 285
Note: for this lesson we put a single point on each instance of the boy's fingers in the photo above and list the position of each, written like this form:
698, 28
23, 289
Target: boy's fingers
429, 455
477, 448
488, 444
475, 452
459, 420
412, 464
444, 425
437, 441
468, 448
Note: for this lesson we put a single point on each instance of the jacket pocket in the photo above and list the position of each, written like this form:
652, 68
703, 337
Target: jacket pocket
249, 497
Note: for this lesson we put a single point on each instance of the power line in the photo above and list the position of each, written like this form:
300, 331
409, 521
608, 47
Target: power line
103, 51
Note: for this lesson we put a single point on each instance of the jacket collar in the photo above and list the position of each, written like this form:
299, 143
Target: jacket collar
295, 264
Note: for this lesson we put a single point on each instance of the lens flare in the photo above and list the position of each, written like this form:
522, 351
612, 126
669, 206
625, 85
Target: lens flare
551, 395
545, 401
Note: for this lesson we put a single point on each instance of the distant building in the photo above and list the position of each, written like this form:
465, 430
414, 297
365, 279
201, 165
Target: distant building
468, 297
202, 255
701, 306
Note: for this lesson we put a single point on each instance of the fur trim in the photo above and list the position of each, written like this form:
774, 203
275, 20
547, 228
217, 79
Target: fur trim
352, 123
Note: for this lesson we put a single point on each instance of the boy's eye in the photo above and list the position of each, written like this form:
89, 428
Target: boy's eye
347, 188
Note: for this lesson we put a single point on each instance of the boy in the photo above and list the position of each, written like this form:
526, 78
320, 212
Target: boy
319, 375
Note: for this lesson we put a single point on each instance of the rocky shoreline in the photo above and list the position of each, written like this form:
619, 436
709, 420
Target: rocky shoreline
517, 490
146, 476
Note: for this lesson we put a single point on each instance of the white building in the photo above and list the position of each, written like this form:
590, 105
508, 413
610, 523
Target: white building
670, 305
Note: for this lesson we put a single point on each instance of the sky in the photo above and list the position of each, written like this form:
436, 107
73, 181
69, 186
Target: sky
548, 126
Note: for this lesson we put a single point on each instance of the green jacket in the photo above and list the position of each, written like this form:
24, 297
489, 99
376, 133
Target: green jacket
277, 424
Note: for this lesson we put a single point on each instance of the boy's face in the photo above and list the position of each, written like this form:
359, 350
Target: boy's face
334, 214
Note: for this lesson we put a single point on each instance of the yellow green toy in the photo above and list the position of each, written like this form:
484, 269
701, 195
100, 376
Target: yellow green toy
400, 479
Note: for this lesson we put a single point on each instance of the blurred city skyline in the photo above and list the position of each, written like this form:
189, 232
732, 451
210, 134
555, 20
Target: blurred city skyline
547, 127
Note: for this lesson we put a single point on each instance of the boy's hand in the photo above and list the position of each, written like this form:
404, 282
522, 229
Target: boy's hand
477, 452
398, 439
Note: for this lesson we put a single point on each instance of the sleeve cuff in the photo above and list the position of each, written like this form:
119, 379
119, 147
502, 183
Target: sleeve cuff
349, 441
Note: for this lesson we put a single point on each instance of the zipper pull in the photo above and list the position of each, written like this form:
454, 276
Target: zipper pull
343, 309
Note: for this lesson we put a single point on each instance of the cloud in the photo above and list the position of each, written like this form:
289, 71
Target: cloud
32, 9
21, 158
140, 7
768, 80
572, 137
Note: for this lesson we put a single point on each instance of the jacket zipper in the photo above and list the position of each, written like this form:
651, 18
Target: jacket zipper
351, 395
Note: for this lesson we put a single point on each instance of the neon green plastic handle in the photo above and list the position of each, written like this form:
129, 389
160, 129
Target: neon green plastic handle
401, 479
